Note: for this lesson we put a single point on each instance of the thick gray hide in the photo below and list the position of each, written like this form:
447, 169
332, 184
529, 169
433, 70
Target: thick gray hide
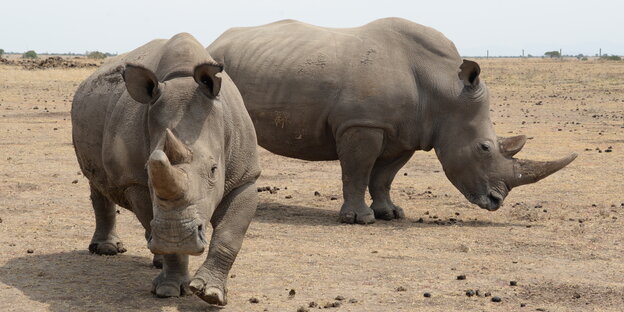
163, 132
370, 96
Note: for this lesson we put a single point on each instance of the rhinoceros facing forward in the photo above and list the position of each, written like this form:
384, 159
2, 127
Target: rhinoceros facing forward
162, 131
370, 96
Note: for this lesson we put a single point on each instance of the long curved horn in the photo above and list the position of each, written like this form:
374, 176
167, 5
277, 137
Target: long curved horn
167, 181
529, 171
175, 150
512, 145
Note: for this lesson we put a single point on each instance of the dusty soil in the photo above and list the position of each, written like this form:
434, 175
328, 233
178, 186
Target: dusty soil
561, 240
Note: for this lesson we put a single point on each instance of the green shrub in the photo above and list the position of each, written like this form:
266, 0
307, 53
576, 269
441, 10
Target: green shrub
30, 55
584, 58
553, 54
96, 55
610, 57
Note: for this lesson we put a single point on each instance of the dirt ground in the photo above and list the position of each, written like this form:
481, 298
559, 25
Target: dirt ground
561, 240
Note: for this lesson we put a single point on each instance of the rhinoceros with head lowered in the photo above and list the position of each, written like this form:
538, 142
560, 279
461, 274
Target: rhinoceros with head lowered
163, 132
370, 96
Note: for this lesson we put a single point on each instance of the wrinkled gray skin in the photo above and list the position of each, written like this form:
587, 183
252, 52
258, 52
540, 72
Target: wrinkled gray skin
370, 96
163, 132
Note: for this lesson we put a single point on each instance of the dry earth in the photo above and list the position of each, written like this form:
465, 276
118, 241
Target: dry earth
561, 240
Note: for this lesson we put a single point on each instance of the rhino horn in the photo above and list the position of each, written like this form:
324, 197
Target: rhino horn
529, 171
168, 182
512, 145
175, 150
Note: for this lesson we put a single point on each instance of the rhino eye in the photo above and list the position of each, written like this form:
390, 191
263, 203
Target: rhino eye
213, 169
485, 147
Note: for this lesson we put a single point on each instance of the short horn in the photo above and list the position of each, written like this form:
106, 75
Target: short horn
529, 171
176, 151
167, 181
512, 145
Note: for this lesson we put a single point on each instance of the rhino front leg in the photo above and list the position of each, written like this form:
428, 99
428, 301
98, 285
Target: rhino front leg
229, 222
139, 198
105, 240
174, 277
357, 148
382, 176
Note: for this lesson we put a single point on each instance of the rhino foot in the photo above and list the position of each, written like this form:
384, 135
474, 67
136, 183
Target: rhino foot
170, 285
210, 294
387, 211
361, 215
107, 247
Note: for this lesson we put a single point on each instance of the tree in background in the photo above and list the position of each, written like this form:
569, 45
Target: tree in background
1, 52
96, 55
553, 54
30, 55
610, 57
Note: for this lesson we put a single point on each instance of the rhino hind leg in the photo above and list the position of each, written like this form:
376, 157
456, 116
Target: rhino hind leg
357, 148
173, 279
379, 186
105, 240
229, 222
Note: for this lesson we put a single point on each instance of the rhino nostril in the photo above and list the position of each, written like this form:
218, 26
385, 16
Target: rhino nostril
495, 199
201, 233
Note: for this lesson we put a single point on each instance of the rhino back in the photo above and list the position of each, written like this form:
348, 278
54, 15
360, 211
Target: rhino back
303, 84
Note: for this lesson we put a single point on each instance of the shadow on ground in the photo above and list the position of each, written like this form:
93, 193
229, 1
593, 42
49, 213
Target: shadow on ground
79, 281
278, 213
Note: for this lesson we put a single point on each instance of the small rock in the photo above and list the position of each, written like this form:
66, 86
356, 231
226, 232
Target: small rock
333, 198
577, 296
401, 288
513, 283
353, 300
339, 298
75, 182
405, 174
233, 276
292, 293
427, 295
522, 305
496, 299
316, 193
303, 309
374, 251
461, 277
254, 300
470, 292
312, 304
487, 294
288, 196
30, 251
334, 304
464, 248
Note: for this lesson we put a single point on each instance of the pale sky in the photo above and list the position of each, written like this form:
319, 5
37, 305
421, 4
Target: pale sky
500, 26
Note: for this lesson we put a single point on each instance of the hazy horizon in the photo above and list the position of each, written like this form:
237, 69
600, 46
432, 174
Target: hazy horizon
503, 28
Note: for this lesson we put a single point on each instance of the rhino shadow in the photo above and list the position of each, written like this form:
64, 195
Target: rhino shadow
277, 213
79, 281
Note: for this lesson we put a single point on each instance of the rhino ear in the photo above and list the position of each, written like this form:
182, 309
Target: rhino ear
206, 77
141, 83
469, 73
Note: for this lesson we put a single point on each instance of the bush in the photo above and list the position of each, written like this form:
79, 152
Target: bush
610, 57
1, 52
96, 55
584, 58
553, 54
30, 55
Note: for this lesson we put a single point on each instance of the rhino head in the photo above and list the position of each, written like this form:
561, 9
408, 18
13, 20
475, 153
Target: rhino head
477, 162
185, 171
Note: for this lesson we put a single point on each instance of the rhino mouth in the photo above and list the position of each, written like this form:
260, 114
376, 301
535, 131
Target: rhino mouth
491, 202
177, 236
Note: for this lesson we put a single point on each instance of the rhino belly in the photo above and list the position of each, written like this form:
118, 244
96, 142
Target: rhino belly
294, 134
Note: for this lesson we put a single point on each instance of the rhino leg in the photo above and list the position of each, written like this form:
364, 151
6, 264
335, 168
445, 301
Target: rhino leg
229, 222
141, 203
105, 240
357, 148
173, 279
381, 179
